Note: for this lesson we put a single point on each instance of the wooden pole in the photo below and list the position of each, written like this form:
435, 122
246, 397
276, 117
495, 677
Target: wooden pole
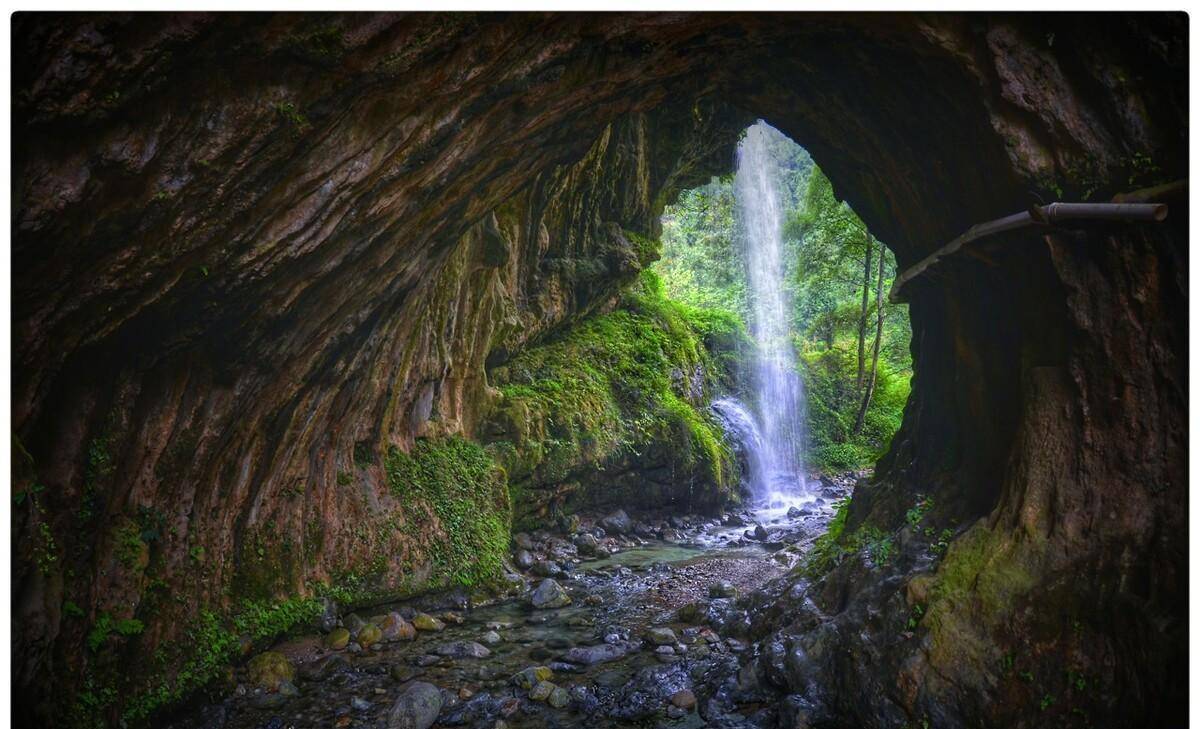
1052, 214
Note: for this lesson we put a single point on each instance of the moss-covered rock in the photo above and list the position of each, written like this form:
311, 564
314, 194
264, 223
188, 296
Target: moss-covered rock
337, 639
614, 410
269, 669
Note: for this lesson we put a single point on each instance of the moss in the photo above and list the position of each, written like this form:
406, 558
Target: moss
129, 548
298, 124
468, 495
322, 45
829, 548
616, 384
983, 565
826, 549
105, 626
207, 648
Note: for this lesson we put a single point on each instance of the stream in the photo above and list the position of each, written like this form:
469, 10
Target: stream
653, 634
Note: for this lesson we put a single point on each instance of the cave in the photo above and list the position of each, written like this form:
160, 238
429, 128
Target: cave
269, 267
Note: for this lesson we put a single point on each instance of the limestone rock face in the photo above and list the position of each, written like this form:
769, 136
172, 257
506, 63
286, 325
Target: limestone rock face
254, 253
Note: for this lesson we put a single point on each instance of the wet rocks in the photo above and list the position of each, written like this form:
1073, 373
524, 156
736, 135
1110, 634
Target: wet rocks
353, 623
269, 670
591, 655
416, 708
394, 627
548, 595
683, 699
586, 543
523, 559
403, 674
530, 677
426, 622
617, 522
541, 691
462, 649
323, 668
337, 639
558, 698
328, 619
723, 588
491, 637
369, 635
661, 636
546, 568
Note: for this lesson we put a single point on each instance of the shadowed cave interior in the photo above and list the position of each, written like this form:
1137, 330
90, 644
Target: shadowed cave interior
276, 276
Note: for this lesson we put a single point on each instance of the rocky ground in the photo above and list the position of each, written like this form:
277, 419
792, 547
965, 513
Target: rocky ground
611, 620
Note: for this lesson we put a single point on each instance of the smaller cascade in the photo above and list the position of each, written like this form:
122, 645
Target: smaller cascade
773, 490
737, 421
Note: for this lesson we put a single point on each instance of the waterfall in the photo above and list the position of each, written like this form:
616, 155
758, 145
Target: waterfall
779, 390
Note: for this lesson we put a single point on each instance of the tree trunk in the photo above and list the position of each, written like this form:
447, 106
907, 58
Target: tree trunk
866, 402
862, 318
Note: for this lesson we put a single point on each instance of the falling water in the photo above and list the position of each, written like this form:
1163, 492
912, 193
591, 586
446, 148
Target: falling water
778, 388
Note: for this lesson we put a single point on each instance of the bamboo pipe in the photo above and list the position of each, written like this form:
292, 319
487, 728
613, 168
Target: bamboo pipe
1051, 214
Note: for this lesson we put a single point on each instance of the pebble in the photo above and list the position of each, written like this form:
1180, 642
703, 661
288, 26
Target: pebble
684, 699
541, 691
559, 697
462, 649
360, 704
425, 621
337, 639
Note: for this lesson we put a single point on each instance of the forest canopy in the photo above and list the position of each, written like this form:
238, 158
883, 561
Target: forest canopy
852, 344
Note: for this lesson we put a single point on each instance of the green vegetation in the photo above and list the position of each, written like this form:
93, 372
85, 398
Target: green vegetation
829, 548
105, 626
617, 383
468, 494
836, 276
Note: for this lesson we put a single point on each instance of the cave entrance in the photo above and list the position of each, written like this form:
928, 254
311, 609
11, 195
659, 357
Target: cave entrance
824, 387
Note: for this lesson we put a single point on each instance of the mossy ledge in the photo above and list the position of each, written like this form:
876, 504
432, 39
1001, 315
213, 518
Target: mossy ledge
614, 410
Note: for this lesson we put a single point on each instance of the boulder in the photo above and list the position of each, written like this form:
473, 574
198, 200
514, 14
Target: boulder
661, 636
269, 669
591, 655
530, 677
394, 627
617, 522
559, 697
369, 635
524, 559
684, 699
337, 639
353, 623
541, 691
417, 708
549, 594
546, 568
426, 622
586, 543
462, 649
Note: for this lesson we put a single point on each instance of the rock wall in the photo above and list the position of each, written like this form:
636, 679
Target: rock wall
256, 253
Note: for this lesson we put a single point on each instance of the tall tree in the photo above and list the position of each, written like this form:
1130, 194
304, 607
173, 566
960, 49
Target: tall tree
866, 401
862, 317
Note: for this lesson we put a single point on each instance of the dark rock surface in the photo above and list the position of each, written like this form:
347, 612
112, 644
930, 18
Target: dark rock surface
253, 252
